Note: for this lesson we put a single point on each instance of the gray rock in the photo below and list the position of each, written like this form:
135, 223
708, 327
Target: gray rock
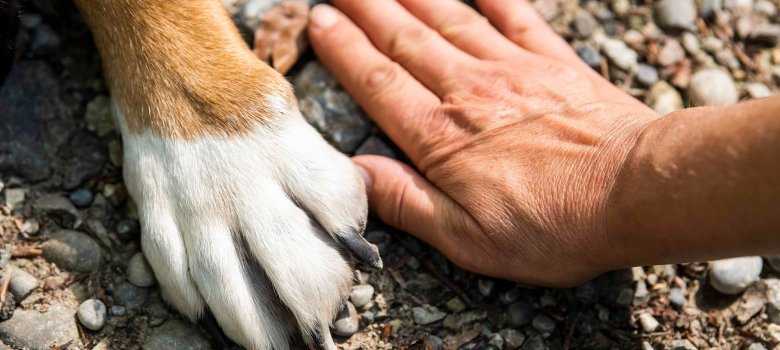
330, 109
5, 254
732, 276
14, 197
496, 340
92, 314
646, 74
648, 322
677, 297
625, 297
73, 250
485, 287
671, 53
139, 272
427, 315
435, 342
7, 307
44, 40
543, 323
127, 229
589, 55
512, 338
691, 43
58, 206
98, 116
664, 98
535, 342
584, 23
623, 56
176, 335
458, 321
520, 314
129, 295
22, 283
346, 322
375, 145
676, 14
81, 198
361, 294
40, 331
455, 305
118, 310
773, 299
83, 157
683, 344
712, 87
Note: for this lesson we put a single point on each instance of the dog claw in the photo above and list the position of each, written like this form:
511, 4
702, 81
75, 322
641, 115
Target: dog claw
363, 250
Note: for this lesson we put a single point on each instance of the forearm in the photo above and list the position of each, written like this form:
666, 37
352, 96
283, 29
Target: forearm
701, 184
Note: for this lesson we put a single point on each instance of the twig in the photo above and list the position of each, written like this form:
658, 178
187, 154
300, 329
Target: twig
26, 252
4, 286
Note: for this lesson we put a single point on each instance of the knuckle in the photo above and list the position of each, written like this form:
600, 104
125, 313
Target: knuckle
462, 23
379, 78
407, 40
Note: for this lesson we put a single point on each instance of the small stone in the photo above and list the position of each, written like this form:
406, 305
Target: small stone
375, 145
92, 314
176, 335
676, 14
587, 293
127, 229
584, 23
7, 307
22, 283
346, 322
520, 314
664, 98
31, 227
58, 206
427, 315
707, 8
435, 342
712, 44
73, 250
623, 56
139, 272
14, 197
129, 295
756, 346
741, 5
625, 297
641, 294
773, 330
361, 295
118, 310
455, 305
496, 340
535, 342
677, 297
732, 276
683, 344
671, 53
648, 322
647, 346
543, 323
646, 74
773, 299
758, 90
712, 87
589, 55
81, 198
44, 40
98, 116
485, 287
621, 7
512, 338
765, 33
39, 331
766, 8
691, 43
458, 321
509, 296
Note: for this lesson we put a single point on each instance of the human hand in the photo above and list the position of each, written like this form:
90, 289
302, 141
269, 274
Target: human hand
517, 142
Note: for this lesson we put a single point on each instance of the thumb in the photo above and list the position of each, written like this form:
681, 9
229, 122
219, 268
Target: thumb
402, 198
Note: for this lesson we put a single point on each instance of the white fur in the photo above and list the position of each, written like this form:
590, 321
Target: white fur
198, 200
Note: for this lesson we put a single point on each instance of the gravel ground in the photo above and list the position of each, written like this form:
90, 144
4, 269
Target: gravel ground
75, 278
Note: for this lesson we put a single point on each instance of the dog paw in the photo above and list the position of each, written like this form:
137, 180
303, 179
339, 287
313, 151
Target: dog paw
257, 227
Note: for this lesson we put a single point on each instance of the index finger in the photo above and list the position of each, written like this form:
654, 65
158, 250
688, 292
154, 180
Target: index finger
397, 102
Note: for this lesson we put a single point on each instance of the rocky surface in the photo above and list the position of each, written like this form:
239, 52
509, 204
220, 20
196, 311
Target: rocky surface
70, 233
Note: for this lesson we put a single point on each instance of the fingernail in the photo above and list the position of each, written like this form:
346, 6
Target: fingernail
323, 16
366, 177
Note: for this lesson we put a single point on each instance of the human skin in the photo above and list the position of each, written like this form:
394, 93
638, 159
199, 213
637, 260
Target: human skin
531, 167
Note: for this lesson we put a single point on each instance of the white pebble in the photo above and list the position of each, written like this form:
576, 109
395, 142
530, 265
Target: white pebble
648, 322
732, 276
92, 314
139, 273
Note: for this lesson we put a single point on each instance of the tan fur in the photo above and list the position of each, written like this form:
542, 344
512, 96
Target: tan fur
180, 69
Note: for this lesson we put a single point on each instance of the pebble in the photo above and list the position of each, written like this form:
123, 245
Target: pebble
361, 294
485, 287
683, 344
756, 346
14, 197
671, 53
691, 43
31, 227
676, 14
677, 297
176, 335
127, 229
589, 55
584, 23
38, 331
773, 299
81, 198
625, 297
346, 322
512, 338
457, 321
129, 295
520, 314
535, 342
375, 145
707, 8
118, 310
92, 314
98, 116
641, 294
73, 250
743, 5
712, 87
646, 74
58, 206
774, 262
44, 40
455, 305
623, 56
7, 307
427, 315
648, 322
543, 323
765, 33
758, 90
664, 98
496, 340
732, 276
766, 8
587, 293
22, 283
435, 342
139, 272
